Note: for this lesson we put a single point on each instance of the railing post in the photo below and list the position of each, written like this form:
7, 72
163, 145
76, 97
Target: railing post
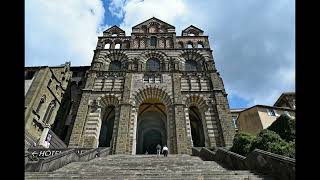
42, 141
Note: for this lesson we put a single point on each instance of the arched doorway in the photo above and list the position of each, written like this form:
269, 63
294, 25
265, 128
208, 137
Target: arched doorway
151, 126
151, 139
106, 130
197, 132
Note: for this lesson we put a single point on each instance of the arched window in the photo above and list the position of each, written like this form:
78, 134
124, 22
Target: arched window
47, 116
117, 46
126, 45
191, 34
114, 34
107, 46
42, 100
153, 65
191, 65
115, 65
181, 45
189, 45
135, 66
153, 41
200, 45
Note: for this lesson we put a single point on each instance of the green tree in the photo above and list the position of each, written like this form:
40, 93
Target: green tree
242, 143
270, 141
285, 127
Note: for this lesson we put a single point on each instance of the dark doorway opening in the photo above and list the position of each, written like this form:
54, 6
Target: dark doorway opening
151, 127
107, 127
196, 127
150, 141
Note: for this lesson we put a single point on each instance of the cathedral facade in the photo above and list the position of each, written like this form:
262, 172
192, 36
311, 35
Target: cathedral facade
150, 88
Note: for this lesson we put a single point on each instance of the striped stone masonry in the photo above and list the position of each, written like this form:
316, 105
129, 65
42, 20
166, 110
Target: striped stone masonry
92, 129
224, 116
182, 78
78, 127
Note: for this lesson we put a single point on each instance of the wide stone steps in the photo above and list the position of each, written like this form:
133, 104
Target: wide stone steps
145, 167
136, 176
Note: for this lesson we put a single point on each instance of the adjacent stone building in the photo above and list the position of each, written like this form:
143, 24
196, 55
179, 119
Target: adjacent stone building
259, 117
234, 115
45, 89
150, 88
287, 99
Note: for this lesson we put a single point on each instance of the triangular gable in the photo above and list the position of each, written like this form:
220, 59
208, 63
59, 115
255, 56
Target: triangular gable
282, 96
153, 19
192, 27
114, 28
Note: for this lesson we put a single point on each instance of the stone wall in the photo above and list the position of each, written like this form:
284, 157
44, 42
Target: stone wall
63, 158
259, 161
48, 87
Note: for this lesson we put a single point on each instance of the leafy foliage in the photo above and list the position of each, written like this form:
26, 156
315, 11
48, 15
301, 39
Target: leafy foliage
291, 149
266, 140
242, 143
270, 141
285, 127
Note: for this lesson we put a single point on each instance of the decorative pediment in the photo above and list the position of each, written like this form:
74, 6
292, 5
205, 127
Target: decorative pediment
192, 31
153, 25
114, 31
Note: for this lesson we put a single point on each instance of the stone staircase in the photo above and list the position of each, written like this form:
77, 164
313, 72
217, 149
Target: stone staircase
145, 167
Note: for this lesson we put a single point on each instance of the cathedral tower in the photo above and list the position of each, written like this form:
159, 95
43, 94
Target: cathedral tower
150, 88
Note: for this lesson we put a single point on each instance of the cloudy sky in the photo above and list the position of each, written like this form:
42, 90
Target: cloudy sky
253, 41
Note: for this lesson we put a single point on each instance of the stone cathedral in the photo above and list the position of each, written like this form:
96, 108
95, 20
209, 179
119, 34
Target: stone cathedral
153, 87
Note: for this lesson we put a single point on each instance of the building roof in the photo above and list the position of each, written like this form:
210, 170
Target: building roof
34, 67
192, 27
284, 95
73, 68
270, 107
115, 27
80, 67
154, 19
237, 110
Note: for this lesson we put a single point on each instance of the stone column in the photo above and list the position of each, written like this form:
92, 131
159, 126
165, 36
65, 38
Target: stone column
211, 126
46, 128
225, 118
166, 66
123, 130
123, 139
78, 127
188, 125
189, 82
171, 131
134, 133
92, 126
183, 144
199, 82
223, 112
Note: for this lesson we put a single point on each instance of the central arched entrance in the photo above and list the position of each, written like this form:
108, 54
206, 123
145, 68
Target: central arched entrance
151, 126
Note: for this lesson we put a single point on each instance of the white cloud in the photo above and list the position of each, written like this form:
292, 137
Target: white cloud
59, 31
252, 41
116, 8
137, 11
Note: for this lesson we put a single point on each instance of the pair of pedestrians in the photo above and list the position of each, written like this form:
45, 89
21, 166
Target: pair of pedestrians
165, 150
